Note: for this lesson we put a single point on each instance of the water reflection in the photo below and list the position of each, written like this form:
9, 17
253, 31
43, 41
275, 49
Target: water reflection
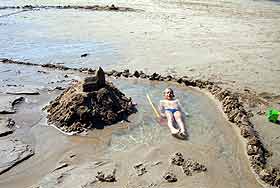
35, 36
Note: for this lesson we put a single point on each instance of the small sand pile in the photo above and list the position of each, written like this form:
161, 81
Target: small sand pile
92, 103
189, 166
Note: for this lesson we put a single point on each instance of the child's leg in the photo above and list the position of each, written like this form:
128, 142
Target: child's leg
170, 120
179, 119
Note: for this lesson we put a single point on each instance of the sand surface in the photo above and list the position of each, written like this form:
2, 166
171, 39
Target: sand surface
234, 43
212, 142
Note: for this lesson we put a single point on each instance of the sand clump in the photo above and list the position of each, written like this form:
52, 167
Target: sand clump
170, 177
189, 166
106, 178
92, 103
140, 169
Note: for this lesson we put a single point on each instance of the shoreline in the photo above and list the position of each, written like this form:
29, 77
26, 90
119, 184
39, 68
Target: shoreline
91, 8
219, 95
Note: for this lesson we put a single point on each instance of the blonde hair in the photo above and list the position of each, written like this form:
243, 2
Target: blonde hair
171, 91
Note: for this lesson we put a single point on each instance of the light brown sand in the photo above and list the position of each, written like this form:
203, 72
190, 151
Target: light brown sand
212, 143
234, 42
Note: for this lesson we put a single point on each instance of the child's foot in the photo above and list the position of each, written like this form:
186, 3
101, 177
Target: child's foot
183, 134
175, 131
179, 135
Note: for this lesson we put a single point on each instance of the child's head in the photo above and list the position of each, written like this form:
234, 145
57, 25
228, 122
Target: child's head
168, 94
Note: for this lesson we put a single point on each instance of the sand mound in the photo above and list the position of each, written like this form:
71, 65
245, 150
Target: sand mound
92, 103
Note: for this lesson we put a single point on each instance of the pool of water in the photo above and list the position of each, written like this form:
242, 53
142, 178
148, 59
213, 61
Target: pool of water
38, 38
112, 39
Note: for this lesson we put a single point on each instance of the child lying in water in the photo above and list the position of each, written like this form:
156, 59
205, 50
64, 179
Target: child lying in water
172, 110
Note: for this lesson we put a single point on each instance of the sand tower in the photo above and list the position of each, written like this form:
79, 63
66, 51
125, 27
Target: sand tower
91, 103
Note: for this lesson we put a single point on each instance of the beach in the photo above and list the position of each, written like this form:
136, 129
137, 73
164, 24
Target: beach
232, 44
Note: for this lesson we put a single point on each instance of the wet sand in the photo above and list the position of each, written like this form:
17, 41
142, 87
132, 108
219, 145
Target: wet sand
235, 44
212, 142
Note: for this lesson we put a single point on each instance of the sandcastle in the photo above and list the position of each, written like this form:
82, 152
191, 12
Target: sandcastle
91, 103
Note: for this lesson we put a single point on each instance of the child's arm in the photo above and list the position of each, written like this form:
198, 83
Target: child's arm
161, 108
182, 109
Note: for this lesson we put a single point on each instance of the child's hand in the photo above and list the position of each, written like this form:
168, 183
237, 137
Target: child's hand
161, 120
186, 114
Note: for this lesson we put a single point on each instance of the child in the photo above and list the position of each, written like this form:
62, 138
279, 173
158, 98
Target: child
172, 110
